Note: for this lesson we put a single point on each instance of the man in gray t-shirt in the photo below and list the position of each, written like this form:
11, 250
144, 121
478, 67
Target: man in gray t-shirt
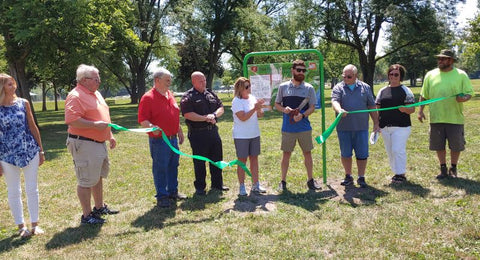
350, 95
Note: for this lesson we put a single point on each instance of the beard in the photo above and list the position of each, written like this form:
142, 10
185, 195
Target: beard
299, 77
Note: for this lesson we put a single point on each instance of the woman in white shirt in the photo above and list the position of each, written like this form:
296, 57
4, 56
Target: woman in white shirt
246, 132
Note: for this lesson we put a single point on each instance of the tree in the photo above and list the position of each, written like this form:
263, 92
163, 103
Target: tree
358, 23
471, 46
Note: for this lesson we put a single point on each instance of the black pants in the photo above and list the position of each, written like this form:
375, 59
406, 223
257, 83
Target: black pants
206, 143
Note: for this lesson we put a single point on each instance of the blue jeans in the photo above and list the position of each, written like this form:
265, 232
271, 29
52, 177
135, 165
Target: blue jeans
164, 166
353, 141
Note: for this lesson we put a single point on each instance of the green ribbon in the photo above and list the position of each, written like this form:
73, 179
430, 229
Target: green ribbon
328, 132
219, 164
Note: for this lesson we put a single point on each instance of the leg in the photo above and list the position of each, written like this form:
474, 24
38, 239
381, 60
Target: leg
97, 192
254, 168
198, 148
12, 179
84, 195
308, 164
172, 172
387, 141
347, 165
361, 166
442, 156
31, 189
216, 153
241, 172
160, 161
399, 153
285, 164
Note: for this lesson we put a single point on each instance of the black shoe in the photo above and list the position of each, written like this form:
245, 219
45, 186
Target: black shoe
163, 202
104, 211
361, 182
283, 186
443, 173
223, 188
200, 192
312, 185
92, 219
177, 196
452, 172
347, 181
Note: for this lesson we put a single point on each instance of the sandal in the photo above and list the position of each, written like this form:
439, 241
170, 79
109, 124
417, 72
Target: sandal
36, 230
24, 232
399, 179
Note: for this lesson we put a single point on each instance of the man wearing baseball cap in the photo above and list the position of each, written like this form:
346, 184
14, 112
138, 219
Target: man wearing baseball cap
446, 116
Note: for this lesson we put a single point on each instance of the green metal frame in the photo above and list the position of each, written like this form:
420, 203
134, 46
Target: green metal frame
322, 88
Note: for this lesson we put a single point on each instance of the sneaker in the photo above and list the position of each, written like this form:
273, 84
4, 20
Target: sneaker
242, 191
163, 202
177, 196
347, 181
258, 188
361, 182
443, 173
283, 186
92, 219
313, 185
105, 210
452, 172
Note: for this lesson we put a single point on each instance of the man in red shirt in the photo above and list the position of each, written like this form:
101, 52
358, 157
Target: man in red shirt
87, 116
159, 108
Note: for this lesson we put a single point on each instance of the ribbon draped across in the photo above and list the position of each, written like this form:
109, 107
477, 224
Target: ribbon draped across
328, 132
219, 164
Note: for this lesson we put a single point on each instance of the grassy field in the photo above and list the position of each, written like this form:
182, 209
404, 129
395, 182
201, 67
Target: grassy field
422, 219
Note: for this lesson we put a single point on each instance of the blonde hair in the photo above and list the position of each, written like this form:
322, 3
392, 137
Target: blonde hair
4, 78
240, 85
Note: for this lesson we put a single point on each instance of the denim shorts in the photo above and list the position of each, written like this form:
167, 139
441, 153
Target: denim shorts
353, 141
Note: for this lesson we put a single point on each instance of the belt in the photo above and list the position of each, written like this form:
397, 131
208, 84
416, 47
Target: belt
84, 138
206, 128
160, 137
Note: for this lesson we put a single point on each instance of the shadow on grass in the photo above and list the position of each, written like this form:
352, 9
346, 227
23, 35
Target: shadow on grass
411, 187
12, 242
254, 203
357, 196
309, 200
73, 235
198, 202
470, 186
155, 218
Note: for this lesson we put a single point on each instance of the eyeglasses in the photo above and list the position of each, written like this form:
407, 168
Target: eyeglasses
247, 86
301, 70
348, 76
394, 74
96, 79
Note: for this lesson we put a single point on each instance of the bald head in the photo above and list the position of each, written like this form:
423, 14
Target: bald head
199, 81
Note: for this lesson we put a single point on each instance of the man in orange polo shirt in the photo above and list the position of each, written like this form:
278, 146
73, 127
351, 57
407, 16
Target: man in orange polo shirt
87, 116
159, 108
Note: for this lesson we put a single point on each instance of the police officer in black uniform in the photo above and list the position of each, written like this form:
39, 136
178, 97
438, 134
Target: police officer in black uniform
201, 108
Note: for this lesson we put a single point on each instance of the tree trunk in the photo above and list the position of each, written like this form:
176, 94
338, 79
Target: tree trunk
17, 71
44, 96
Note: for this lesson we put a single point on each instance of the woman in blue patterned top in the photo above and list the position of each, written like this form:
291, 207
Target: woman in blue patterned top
20, 149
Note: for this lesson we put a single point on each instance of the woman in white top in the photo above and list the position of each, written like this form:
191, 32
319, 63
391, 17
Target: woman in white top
246, 132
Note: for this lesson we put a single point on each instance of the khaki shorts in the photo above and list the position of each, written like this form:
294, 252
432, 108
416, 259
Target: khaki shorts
90, 160
440, 133
290, 139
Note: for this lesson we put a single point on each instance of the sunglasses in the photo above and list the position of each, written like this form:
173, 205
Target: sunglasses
394, 74
348, 77
301, 70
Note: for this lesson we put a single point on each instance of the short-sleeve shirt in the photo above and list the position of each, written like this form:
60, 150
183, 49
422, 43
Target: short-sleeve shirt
360, 98
17, 144
160, 110
83, 103
201, 103
291, 96
392, 97
249, 128
444, 84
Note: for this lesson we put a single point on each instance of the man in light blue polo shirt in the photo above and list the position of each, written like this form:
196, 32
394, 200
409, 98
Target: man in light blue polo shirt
349, 95
296, 125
